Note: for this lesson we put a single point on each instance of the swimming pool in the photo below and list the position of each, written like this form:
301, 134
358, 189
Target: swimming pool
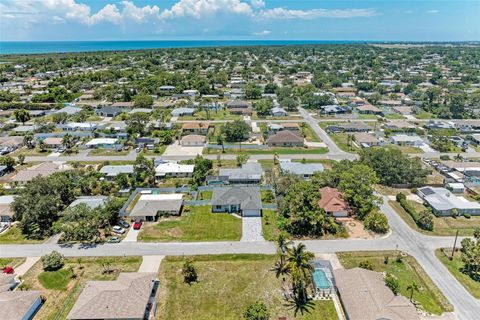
321, 280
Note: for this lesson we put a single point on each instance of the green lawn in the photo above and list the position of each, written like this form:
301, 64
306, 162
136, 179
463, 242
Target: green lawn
31, 152
341, 139
218, 115
108, 152
407, 271
309, 134
55, 280
267, 196
60, 289
205, 195
159, 150
227, 285
14, 235
270, 224
425, 115
455, 266
442, 226
271, 151
197, 223
394, 116
405, 149
11, 262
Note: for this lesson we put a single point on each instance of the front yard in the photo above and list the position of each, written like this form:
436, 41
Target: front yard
108, 152
61, 288
285, 150
407, 271
455, 267
14, 235
442, 226
196, 223
227, 285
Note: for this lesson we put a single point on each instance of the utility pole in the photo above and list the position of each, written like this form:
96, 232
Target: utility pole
454, 245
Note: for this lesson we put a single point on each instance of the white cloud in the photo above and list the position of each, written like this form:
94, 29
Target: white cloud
433, 11
262, 33
139, 14
257, 3
201, 8
282, 13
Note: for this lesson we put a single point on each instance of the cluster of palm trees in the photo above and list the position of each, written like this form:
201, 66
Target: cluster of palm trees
295, 266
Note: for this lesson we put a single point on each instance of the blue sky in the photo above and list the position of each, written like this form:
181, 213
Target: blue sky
414, 20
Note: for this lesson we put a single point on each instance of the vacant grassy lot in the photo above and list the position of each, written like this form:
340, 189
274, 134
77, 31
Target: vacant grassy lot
455, 267
341, 140
108, 152
196, 224
62, 288
227, 285
407, 271
14, 235
310, 135
31, 152
272, 151
270, 224
442, 226
223, 114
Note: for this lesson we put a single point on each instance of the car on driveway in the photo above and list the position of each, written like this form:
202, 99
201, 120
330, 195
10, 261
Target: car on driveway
113, 240
137, 225
118, 230
124, 224
8, 270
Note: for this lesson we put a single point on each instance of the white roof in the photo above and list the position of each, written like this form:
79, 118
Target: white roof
173, 167
405, 137
161, 196
101, 141
443, 199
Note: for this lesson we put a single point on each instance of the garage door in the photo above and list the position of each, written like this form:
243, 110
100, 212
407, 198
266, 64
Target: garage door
252, 213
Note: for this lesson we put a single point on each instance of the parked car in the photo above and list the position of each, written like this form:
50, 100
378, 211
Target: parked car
3, 227
124, 223
137, 225
8, 270
113, 240
118, 230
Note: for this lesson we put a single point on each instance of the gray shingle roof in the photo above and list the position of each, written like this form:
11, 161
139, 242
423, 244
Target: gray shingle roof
301, 168
247, 197
249, 171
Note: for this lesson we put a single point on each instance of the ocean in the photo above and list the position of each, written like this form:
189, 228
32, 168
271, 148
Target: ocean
38, 47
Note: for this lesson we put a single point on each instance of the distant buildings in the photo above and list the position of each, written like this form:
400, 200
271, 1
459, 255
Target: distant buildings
444, 203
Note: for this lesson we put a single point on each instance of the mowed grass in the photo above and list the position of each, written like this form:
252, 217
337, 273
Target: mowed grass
108, 152
286, 150
227, 285
455, 267
341, 140
270, 224
407, 272
14, 235
442, 226
310, 135
11, 262
197, 223
62, 288
205, 195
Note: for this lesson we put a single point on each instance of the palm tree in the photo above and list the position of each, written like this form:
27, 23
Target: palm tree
221, 142
67, 141
412, 287
282, 247
299, 267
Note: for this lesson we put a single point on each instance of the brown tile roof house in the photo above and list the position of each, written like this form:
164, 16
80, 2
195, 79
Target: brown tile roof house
364, 295
43, 169
239, 104
369, 109
365, 139
285, 138
128, 297
19, 305
291, 126
399, 125
12, 141
195, 127
53, 142
6, 212
403, 110
332, 202
123, 104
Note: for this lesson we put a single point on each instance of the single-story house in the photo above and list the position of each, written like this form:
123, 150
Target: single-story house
365, 139
403, 110
369, 109
124, 105
333, 109
195, 128
131, 296
111, 171
331, 200
19, 305
70, 110
24, 128
193, 140
238, 104
174, 169
303, 170
167, 88
178, 112
364, 295
78, 126
250, 173
278, 112
285, 138
43, 169
109, 111
150, 206
355, 126
52, 142
147, 142
399, 125
444, 203
11, 141
140, 110
292, 126
456, 187
6, 212
92, 202
107, 143
407, 140
243, 200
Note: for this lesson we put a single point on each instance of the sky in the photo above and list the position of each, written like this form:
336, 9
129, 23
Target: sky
379, 20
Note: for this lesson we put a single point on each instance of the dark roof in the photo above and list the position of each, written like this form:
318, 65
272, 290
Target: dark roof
285, 136
247, 197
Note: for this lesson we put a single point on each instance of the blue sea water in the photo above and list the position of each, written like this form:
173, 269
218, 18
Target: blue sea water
37, 47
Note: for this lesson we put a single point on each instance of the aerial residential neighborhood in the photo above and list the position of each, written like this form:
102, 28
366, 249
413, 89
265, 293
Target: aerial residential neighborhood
236, 180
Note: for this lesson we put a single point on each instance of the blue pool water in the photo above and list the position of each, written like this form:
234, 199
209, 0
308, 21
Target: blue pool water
321, 280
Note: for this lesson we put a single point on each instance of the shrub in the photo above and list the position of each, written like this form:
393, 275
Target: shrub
189, 272
53, 261
376, 222
392, 282
366, 265
256, 311
467, 215
400, 197
425, 220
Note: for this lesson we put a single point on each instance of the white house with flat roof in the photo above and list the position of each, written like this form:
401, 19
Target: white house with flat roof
174, 169
443, 202
407, 140
108, 143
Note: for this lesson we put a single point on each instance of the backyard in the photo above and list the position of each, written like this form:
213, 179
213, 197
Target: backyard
407, 271
227, 285
196, 223
455, 267
442, 226
61, 288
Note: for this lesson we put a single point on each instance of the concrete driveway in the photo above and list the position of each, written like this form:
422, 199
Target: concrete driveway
252, 229
132, 235
150, 263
